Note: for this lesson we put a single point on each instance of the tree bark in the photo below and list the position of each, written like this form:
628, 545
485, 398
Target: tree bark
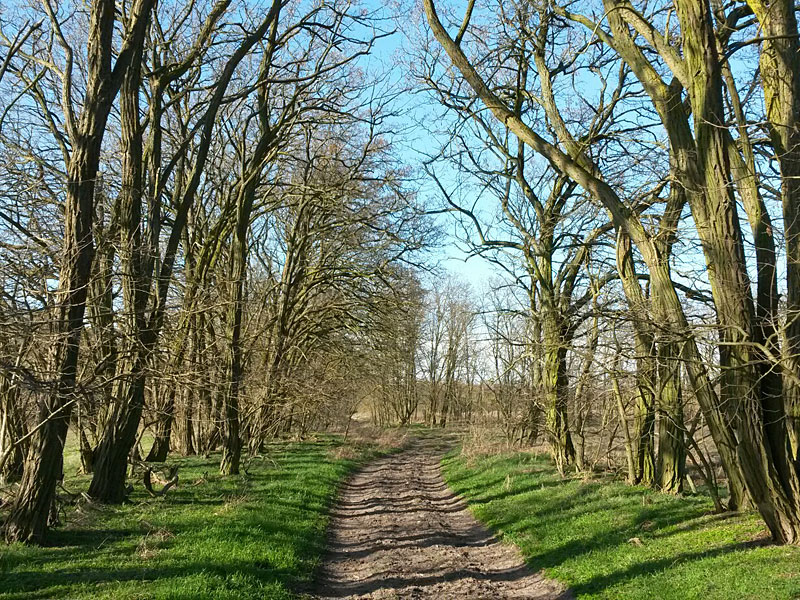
671, 466
554, 374
644, 343
163, 433
12, 430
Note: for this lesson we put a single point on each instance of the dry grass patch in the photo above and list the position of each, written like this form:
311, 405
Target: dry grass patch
231, 503
152, 541
382, 439
481, 441
343, 453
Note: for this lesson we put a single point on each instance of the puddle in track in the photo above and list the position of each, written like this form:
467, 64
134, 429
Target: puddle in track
397, 531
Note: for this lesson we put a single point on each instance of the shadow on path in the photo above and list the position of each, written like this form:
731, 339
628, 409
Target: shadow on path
397, 530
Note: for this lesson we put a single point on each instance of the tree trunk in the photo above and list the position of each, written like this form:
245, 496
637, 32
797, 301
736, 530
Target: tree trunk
762, 440
12, 429
780, 64
671, 467
623, 422
746, 177
556, 388
186, 429
583, 379
28, 519
163, 434
86, 451
237, 272
119, 437
644, 343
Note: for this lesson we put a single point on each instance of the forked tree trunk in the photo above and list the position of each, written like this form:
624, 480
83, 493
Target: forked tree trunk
28, 518
747, 180
163, 433
700, 167
119, 436
671, 461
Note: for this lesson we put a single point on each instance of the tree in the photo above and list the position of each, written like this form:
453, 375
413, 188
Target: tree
700, 162
34, 501
108, 481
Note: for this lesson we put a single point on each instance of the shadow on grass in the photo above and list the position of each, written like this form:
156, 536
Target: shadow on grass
564, 523
259, 531
649, 567
55, 572
34, 581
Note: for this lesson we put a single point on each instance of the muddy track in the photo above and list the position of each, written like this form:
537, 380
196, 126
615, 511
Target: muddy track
397, 531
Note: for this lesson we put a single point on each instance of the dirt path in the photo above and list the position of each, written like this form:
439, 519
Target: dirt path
399, 532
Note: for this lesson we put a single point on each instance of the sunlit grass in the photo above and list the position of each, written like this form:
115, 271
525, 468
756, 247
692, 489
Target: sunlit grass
258, 535
605, 539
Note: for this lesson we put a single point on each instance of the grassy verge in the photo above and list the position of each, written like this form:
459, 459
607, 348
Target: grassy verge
254, 536
605, 539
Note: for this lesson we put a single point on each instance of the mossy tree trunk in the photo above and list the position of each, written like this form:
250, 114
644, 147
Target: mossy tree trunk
108, 483
554, 373
644, 345
671, 465
762, 450
780, 76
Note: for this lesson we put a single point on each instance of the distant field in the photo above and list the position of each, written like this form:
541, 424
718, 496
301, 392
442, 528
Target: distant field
259, 535
605, 539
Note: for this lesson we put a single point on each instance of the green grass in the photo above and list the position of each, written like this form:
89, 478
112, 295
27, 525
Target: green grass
252, 536
579, 532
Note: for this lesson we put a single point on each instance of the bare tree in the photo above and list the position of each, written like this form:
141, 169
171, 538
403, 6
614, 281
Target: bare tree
755, 456
85, 131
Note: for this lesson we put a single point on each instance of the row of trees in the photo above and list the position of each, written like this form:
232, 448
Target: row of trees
208, 238
203, 226
652, 147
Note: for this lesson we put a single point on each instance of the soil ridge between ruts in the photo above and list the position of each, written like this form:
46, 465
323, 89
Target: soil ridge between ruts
398, 531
